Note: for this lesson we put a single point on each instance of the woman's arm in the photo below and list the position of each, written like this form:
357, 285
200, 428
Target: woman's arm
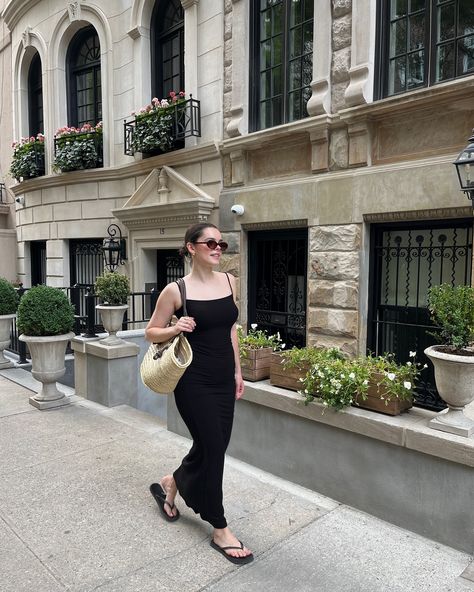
168, 302
239, 383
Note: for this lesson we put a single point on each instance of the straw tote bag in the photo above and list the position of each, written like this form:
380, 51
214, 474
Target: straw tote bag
165, 363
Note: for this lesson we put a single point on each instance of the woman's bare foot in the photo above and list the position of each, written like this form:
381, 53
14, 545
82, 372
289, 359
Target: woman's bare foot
223, 537
169, 487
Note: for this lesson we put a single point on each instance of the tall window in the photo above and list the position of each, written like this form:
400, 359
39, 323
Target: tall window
282, 47
35, 97
167, 48
84, 79
423, 42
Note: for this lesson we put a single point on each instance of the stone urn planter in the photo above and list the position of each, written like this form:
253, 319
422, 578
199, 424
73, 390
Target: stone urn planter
454, 375
112, 319
47, 359
256, 364
5, 328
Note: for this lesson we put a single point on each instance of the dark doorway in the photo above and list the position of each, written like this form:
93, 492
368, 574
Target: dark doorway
277, 283
169, 267
38, 262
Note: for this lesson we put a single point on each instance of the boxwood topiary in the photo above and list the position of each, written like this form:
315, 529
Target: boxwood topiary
8, 298
113, 289
44, 310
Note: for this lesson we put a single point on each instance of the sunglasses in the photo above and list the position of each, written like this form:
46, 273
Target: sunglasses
213, 244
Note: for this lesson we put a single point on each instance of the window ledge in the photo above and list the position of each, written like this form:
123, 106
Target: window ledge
409, 430
446, 92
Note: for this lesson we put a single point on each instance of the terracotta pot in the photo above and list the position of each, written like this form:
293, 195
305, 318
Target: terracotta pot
256, 365
454, 376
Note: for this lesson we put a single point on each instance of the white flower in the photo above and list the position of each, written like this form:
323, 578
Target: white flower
283, 345
352, 375
425, 366
408, 363
254, 326
390, 375
412, 354
366, 382
407, 384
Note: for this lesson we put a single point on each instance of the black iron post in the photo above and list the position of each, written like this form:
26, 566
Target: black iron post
90, 314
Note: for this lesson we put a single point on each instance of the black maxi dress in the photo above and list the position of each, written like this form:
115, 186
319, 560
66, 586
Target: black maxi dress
205, 398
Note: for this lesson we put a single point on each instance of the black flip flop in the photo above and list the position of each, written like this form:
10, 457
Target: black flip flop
236, 560
160, 497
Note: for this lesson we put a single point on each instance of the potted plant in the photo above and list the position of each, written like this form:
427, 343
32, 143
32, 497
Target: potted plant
28, 158
78, 148
255, 350
113, 290
376, 383
45, 320
288, 368
452, 310
8, 308
154, 124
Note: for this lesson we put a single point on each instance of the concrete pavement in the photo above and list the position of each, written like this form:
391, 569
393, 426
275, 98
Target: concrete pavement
76, 514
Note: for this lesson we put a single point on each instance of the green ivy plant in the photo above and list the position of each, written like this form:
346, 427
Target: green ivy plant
44, 310
452, 310
28, 158
8, 298
153, 129
78, 148
257, 339
113, 289
301, 357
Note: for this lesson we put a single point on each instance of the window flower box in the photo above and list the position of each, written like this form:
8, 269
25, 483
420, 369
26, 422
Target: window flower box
162, 125
255, 350
377, 398
284, 376
28, 158
78, 148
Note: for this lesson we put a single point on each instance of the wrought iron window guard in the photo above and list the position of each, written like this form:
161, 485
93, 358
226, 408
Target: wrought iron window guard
185, 122
75, 163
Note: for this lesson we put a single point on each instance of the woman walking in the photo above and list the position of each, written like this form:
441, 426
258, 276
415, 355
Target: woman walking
205, 395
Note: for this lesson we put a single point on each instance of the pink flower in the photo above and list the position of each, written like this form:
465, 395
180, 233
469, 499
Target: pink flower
155, 101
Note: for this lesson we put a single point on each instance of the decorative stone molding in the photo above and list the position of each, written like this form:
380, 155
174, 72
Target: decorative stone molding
14, 10
236, 115
276, 224
26, 37
237, 159
188, 3
238, 18
444, 213
320, 100
319, 150
137, 32
74, 11
359, 144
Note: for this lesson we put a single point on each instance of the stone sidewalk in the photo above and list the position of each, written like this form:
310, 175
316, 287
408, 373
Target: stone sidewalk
76, 515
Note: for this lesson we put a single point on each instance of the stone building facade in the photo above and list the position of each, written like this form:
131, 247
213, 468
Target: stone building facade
334, 124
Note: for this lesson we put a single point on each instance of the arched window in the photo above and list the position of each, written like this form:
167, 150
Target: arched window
83, 63
167, 48
35, 97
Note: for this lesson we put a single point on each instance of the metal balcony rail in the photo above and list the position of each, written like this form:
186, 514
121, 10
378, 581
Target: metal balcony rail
185, 121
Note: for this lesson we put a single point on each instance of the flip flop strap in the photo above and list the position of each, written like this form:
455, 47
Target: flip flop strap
237, 548
171, 507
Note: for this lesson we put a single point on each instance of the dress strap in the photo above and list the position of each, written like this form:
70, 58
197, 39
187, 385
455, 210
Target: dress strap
231, 288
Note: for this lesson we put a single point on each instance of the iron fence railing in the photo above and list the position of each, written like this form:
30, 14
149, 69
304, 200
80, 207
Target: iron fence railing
87, 321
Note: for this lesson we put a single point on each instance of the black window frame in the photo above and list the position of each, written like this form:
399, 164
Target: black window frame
35, 96
382, 65
72, 72
255, 122
159, 36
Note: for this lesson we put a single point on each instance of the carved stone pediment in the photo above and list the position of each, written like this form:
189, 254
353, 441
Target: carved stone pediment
165, 198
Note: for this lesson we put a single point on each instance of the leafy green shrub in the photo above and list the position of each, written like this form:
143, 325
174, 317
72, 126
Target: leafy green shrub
298, 357
113, 289
8, 298
44, 310
78, 149
28, 158
452, 309
257, 339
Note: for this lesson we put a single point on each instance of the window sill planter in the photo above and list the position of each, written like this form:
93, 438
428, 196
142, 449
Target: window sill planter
28, 158
288, 378
377, 399
256, 364
162, 126
78, 149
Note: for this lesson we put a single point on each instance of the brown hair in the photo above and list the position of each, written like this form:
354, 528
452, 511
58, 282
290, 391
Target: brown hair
194, 233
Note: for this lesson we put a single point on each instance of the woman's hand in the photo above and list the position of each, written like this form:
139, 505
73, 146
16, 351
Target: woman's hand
187, 324
239, 386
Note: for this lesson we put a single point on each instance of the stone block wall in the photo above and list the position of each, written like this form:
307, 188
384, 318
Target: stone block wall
334, 287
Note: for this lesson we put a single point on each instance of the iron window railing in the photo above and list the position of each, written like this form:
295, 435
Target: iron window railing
183, 119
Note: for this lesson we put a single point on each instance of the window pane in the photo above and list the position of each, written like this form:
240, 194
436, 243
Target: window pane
295, 106
417, 5
295, 42
466, 17
446, 22
294, 80
399, 8
277, 111
265, 25
266, 85
277, 56
295, 12
445, 62
397, 75
416, 69
398, 38
308, 37
265, 55
417, 32
277, 19
307, 69
277, 86
308, 9
466, 55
